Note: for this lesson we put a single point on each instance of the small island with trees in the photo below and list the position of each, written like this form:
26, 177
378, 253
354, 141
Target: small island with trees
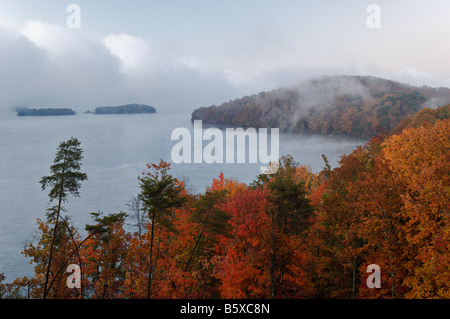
45, 112
124, 109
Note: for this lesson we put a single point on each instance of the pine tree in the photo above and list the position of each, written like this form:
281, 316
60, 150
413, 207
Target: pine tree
65, 180
160, 193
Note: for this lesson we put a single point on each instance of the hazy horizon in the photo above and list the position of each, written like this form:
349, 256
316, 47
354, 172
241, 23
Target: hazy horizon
178, 56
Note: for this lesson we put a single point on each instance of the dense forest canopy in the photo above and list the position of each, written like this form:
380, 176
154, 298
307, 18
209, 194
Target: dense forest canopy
361, 106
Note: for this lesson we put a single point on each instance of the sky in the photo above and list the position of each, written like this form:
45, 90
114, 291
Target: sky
179, 55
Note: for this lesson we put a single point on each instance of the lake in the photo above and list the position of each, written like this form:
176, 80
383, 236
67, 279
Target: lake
116, 149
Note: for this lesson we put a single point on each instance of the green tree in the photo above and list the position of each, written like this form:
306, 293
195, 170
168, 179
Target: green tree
65, 180
160, 193
289, 212
210, 218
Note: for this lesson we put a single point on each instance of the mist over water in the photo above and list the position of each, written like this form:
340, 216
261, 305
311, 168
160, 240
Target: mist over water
116, 149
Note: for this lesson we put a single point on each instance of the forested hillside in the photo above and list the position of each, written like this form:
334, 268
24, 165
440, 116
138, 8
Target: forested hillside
360, 106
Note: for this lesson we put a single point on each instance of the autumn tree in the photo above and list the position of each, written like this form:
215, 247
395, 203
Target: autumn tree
419, 158
242, 259
378, 203
9, 291
64, 242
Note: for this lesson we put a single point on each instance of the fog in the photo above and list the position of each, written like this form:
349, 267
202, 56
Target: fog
213, 53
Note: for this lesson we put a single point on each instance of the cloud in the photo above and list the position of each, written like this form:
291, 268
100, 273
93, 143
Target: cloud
20, 60
46, 65
51, 38
419, 78
132, 51
191, 63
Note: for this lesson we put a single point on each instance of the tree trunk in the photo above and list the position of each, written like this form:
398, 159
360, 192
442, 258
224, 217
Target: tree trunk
272, 264
54, 233
150, 272
197, 242
354, 279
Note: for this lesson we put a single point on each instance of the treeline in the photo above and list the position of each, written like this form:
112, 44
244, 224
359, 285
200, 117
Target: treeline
359, 106
292, 234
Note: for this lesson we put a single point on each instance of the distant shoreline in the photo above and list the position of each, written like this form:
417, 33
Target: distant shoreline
101, 110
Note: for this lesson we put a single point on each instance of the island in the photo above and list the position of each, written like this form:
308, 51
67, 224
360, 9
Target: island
124, 109
45, 112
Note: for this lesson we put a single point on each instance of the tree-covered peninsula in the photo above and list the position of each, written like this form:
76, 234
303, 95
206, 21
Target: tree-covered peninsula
361, 106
